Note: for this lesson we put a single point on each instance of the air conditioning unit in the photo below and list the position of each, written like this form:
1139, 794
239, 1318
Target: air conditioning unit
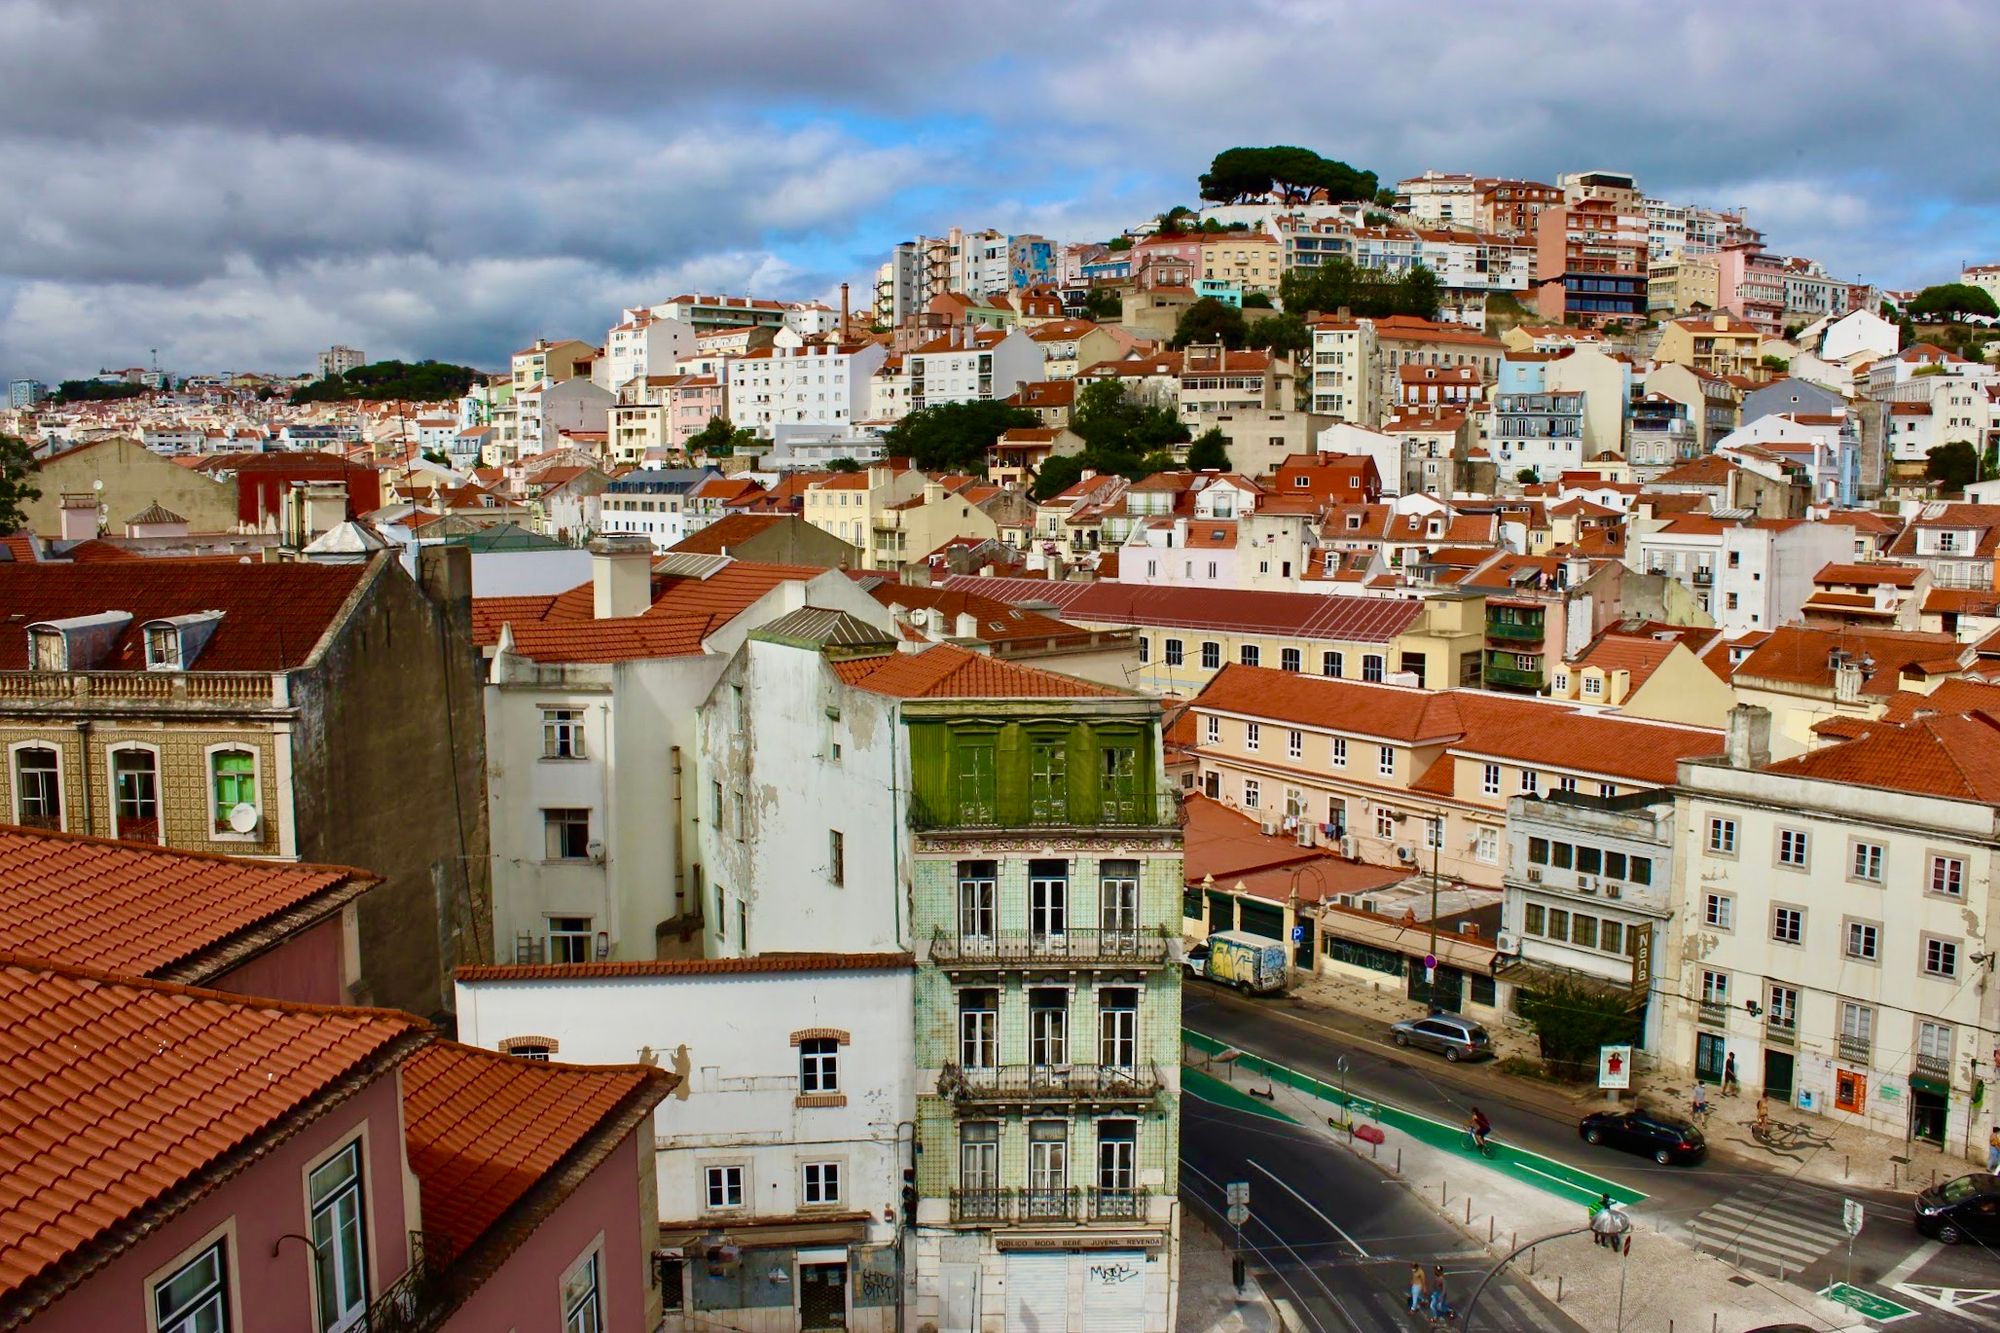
1534, 874
1305, 834
1347, 848
1614, 890
1587, 883
1405, 852
1504, 942
1270, 828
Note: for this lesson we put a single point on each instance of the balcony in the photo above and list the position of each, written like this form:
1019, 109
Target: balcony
1111, 811
1514, 629
1781, 1034
1020, 949
1703, 576
1715, 1013
1506, 675
420, 1299
1132, 1085
225, 690
1856, 1050
1932, 1066
1060, 1204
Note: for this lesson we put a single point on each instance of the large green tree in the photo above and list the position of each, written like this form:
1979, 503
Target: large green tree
1209, 320
954, 436
17, 485
1340, 283
1954, 465
1285, 335
1573, 1018
95, 391
1292, 173
1104, 303
1057, 474
1210, 451
415, 382
1953, 300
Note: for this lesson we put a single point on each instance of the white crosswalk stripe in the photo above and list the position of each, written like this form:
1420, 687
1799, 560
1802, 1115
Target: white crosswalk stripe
1763, 1227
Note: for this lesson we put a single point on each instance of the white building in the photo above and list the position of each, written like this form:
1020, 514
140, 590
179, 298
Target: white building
780, 1156
972, 365
1344, 383
1749, 574
812, 319
1835, 919
338, 360
643, 344
1439, 198
794, 382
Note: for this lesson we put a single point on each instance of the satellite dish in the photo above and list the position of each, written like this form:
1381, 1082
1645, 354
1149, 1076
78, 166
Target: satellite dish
243, 817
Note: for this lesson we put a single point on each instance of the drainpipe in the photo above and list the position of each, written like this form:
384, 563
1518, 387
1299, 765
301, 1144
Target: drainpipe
83, 747
680, 840
895, 829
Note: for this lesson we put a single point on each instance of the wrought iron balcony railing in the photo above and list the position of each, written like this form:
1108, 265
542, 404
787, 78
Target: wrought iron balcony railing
1010, 949
419, 1300
1069, 1203
1136, 1083
1110, 810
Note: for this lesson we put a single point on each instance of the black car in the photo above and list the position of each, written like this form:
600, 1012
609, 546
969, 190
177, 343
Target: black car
1964, 1209
1665, 1141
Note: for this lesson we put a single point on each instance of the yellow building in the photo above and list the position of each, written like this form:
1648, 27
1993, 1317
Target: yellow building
120, 478
1644, 677
1253, 260
548, 362
850, 504
1719, 343
911, 529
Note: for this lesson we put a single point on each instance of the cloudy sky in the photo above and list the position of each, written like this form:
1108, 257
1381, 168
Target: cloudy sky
238, 183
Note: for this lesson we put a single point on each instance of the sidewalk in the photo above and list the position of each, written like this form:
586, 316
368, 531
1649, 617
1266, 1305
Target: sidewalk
1819, 1150
1667, 1284
1209, 1302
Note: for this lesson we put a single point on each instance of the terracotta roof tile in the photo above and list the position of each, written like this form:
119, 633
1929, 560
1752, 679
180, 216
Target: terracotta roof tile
273, 615
726, 531
1801, 655
1955, 756
483, 1128
717, 599
616, 640
695, 967
1303, 615
945, 671
146, 1086
1870, 575
140, 910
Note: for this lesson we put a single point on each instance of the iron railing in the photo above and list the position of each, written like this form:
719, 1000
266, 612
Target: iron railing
1137, 1083
420, 1299
1022, 948
1932, 1066
1781, 1034
1506, 675
1856, 1050
1514, 629
1714, 1013
1109, 810
1049, 1204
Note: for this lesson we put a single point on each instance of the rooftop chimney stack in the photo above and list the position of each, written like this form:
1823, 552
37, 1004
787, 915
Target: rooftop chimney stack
1749, 740
621, 575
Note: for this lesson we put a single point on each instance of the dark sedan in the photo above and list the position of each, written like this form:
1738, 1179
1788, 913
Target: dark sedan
1665, 1141
1964, 1209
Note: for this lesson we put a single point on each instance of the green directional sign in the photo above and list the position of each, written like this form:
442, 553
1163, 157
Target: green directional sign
1866, 1303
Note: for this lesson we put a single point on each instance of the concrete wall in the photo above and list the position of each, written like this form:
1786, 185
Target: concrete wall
134, 477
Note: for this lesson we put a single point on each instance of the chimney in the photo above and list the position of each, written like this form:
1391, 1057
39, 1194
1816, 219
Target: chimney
967, 626
79, 516
843, 312
444, 573
1749, 742
621, 575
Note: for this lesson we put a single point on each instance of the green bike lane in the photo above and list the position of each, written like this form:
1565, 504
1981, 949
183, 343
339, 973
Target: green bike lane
1544, 1173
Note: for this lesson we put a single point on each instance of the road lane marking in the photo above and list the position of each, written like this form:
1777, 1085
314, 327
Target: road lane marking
1912, 1261
1309, 1205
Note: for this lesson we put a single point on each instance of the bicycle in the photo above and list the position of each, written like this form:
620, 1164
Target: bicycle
1484, 1146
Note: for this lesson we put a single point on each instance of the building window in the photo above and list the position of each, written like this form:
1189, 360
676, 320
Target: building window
836, 857
725, 1186
1719, 911
1118, 899
1212, 729
163, 648
1117, 1143
819, 1066
1253, 735
1385, 822
1295, 745
1788, 925
1211, 656
562, 733
1793, 845
1118, 1027
196, 1298
37, 788
1048, 1159
1340, 752
1330, 664
1784, 1007
819, 1184
1940, 957
1145, 650
1288, 659
1048, 1027
583, 1310
135, 778
979, 1155
978, 1028
232, 783
1934, 1043
1864, 940
1486, 847
1715, 988
569, 939
339, 1241
1176, 654
566, 835
1371, 666
1250, 655
1385, 761
1948, 876
1722, 836
1489, 779
1531, 782
1867, 861
1253, 794
976, 894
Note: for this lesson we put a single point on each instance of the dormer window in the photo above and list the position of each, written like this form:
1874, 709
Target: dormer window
163, 648
48, 650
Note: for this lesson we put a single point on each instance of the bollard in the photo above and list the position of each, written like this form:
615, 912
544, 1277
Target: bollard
1489, 1228
1847, 1164
1559, 1289
1399, 1164
1374, 1149
1531, 1261
1714, 1323
1468, 1210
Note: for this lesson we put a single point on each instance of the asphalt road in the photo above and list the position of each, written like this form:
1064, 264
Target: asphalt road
1330, 1235
1779, 1217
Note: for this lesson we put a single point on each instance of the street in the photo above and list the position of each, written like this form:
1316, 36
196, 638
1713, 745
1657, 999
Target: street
1761, 1217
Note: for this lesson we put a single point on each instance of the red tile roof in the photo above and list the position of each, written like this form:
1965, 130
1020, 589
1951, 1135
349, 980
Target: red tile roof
616, 640
121, 1092
729, 530
945, 671
1950, 696
1301, 615
694, 967
716, 600
1955, 756
1631, 653
1802, 655
483, 1128
998, 621
145, 910
1870, 575
273, 615
1019, 591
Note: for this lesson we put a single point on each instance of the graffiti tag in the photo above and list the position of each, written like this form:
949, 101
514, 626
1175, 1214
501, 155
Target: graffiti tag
1111, 1275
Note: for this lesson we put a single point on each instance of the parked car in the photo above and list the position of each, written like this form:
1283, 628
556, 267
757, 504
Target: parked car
1194, 960
1967, 1208
1665, 1140
1451, 1035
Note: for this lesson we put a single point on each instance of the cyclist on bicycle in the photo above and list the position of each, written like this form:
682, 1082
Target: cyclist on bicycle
1480, 1128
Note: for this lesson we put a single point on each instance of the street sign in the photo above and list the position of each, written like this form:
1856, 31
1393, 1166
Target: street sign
1430, 962
1239, 1213
1851, 1213
1614, 1067
1298, 934
1866, 1303
1237, 1192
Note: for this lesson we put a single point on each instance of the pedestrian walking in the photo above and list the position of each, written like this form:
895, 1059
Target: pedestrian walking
1416, 1288
1993, 1151
1700, 1106
1440, 1307
1764, 1113
1730, 1087
1606, 1224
